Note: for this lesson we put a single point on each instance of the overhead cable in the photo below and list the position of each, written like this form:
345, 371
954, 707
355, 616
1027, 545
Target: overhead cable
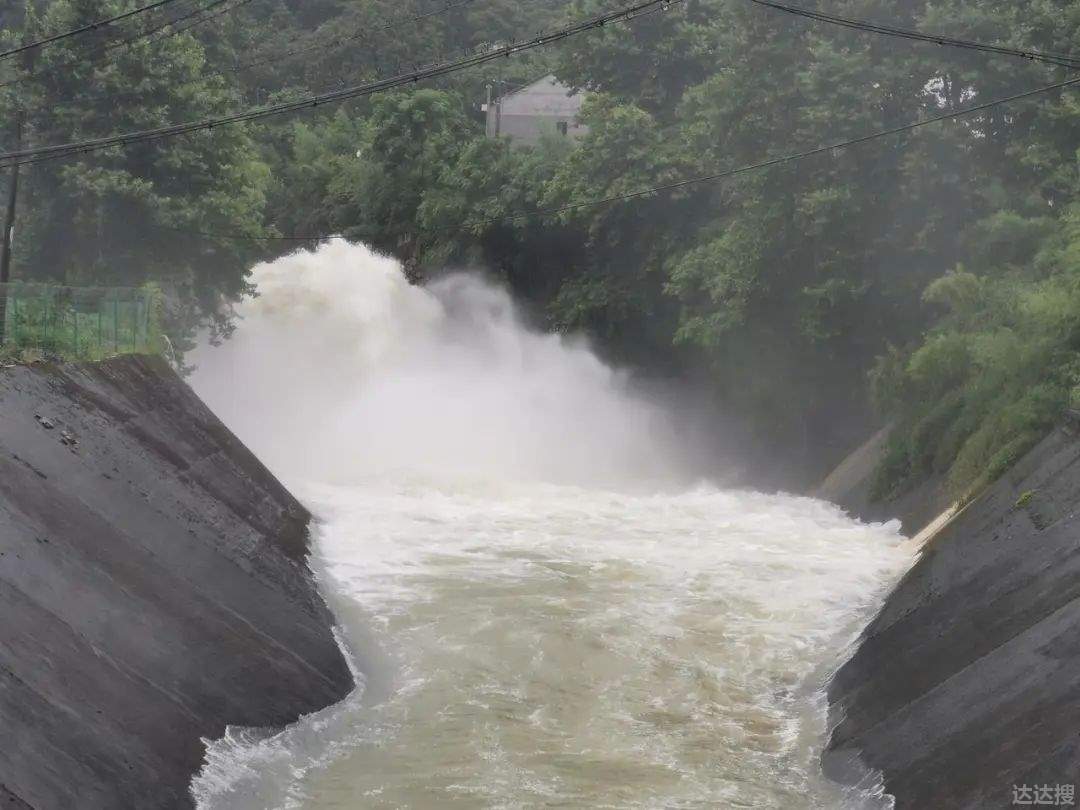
777, 161
40, 153
165, 30
1063, 60
94, 26
139, 94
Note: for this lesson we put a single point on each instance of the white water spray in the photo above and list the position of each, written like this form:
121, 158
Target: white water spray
341, 371
503, 519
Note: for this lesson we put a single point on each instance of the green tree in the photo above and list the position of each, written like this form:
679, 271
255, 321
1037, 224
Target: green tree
124, 216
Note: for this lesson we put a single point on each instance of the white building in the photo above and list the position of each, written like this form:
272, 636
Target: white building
545, 106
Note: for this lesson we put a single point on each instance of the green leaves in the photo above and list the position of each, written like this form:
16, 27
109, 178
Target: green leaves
119, 216
801, 282
960, 291
796, 283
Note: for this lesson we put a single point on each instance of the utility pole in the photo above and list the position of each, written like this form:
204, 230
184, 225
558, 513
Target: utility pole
6, 242
9, 213
9, 226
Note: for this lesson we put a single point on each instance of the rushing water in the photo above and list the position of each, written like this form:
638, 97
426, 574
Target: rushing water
547, 611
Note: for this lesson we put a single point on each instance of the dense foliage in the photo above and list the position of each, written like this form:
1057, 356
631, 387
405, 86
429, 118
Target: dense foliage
928, 279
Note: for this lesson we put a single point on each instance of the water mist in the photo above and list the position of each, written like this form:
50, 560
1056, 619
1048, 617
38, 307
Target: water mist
568, 619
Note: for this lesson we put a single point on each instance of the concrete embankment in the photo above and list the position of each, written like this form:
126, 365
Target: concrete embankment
967, 684
153, 587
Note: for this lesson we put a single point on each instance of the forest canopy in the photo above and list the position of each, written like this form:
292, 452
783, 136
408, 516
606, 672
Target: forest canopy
928, 280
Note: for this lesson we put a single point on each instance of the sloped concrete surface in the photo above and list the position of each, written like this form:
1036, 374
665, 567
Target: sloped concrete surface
968, 682
153, 589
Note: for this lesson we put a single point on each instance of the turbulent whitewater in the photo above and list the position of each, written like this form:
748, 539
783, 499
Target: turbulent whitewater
560, 614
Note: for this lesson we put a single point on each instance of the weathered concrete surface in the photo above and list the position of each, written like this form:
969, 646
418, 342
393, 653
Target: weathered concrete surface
850, 480
849, 486
153, 589
968, 682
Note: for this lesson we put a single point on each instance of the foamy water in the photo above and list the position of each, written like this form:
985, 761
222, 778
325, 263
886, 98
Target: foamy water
544, 608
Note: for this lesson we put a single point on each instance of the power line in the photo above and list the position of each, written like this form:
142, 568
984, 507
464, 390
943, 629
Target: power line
777, 161
357, 34
1062, 60
94, 26
44, 153
240, 237
199, 20
791, 158
197, 16
41, 153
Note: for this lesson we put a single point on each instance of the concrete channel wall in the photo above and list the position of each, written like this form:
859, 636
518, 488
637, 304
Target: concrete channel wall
153, 589
967, 684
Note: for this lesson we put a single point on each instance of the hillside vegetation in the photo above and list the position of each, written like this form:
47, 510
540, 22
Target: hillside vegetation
930, 278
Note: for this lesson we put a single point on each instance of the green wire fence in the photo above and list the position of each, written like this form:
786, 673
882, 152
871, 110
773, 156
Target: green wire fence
85, 323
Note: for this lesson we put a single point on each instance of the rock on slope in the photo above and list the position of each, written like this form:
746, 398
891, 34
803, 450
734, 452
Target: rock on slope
153, 588
968, 682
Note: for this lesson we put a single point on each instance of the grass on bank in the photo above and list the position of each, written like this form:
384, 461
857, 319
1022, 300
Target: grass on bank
988, 382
